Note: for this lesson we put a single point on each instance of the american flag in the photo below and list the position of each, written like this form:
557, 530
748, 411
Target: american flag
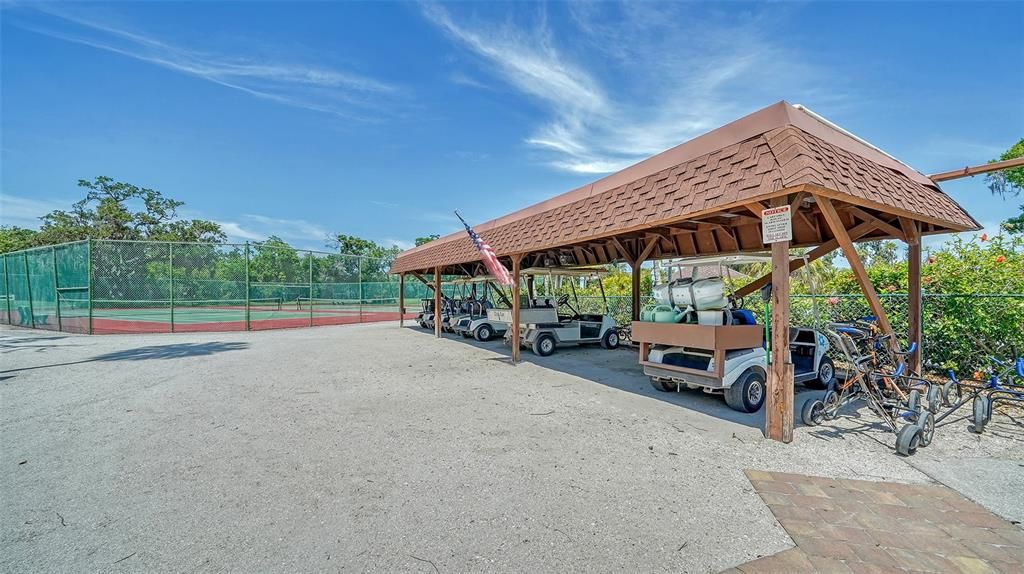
494, 267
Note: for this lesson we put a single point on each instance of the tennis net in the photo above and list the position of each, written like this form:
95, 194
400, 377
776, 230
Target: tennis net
260, 304
306, 303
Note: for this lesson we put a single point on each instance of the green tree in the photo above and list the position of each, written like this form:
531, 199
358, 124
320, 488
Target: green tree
1008, 181
117, 210
1015, 225
13, 238
427, 239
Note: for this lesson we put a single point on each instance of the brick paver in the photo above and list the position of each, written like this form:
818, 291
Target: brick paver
877, 527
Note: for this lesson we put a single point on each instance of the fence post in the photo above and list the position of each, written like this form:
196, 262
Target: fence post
7, 289
247, 287
170, 274
28, 283
56, 287
89, 278
310, 255
359, 291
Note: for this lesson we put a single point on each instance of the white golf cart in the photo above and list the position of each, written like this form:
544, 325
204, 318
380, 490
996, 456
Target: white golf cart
697, 337
552, 321
472, 319
495, 321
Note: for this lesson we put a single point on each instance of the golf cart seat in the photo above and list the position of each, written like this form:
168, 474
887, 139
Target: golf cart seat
743, 317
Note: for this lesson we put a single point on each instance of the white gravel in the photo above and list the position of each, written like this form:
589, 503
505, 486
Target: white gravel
372, 448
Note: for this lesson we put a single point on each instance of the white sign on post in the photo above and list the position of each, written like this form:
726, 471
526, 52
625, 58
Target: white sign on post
776, 224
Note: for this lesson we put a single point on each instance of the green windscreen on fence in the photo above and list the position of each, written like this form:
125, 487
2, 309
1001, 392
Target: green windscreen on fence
106, 286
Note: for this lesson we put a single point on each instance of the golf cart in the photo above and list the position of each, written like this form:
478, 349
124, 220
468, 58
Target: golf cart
698, 336
552, 321
480, 320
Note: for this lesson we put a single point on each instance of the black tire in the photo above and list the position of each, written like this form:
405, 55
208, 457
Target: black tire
914, 407
981, 408
831, 402
664, 386
908, 439
813, 412
746, 395
610, 339
932, 396
544, 345
483, 333
826, 375
950, 393
927, 425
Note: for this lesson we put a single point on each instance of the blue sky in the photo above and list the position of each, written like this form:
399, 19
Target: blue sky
377, 119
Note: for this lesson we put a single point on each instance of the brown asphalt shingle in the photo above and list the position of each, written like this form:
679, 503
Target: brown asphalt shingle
784, 156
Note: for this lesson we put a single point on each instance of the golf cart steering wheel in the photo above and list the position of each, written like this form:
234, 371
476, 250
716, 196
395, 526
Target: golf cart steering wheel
563, 300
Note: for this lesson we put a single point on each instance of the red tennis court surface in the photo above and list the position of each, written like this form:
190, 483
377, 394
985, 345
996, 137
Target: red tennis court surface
114, 325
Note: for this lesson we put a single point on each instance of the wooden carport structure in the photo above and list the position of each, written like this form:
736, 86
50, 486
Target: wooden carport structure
706, 197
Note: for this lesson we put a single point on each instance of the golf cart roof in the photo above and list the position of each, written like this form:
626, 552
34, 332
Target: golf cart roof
566, 271
476, 279
716, 260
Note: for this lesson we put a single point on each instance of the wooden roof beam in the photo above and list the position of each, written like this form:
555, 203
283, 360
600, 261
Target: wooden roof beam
879, 222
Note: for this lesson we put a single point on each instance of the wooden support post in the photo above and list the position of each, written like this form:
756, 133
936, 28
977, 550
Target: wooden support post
635, 292
401, 299
437, 302
828, 211
914, 294
779, 400
516, 259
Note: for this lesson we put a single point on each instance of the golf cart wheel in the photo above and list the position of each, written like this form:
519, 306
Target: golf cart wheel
483, 333
544, 345
831, 402
932, 396
914, 405
908, 439
826, 374
746, 395
981, 416
950, 393
610, 339
664, 385
927, 425
813, 412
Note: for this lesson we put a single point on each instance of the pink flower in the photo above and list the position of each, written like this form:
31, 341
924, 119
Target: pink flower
984, 236
1000, 259
833, 300
931, 260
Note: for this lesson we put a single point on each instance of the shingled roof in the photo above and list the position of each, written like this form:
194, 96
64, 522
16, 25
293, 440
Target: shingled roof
775, 151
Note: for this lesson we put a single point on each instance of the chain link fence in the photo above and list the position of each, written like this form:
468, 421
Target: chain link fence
958, 332
153, 287
105, 286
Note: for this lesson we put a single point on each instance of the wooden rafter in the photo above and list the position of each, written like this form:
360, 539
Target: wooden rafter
835, 223
814, 254
879, 222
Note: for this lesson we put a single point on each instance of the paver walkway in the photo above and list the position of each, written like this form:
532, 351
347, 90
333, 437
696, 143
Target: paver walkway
864, 526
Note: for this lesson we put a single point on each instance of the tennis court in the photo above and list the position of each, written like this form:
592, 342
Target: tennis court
111, 317
106, 286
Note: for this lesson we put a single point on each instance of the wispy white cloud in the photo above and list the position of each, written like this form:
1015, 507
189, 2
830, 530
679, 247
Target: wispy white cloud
657, 75
402, 244
253, 227
320, 89
26, 211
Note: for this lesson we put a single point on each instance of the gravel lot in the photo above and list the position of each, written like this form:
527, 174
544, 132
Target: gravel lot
374, 448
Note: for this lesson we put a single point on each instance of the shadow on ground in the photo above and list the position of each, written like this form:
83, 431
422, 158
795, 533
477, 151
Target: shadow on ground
153, 352
620, 370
